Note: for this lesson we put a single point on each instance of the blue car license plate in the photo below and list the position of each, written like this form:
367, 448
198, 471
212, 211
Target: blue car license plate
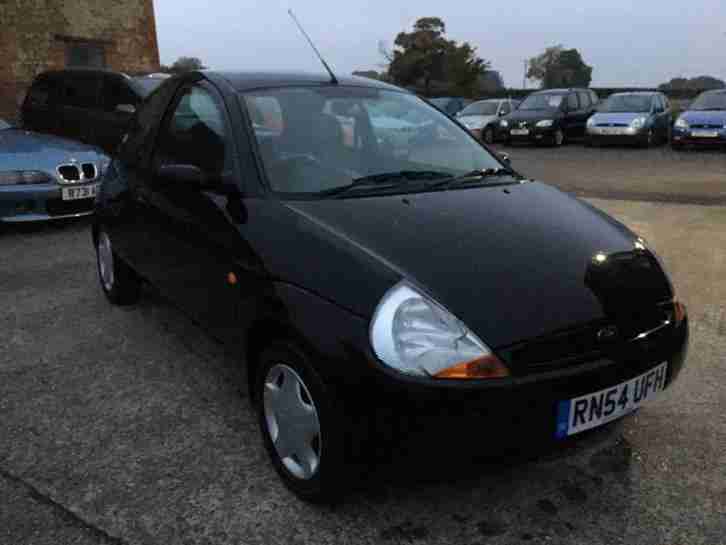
593, 410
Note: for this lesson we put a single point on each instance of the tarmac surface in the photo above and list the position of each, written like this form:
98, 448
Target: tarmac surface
127, 426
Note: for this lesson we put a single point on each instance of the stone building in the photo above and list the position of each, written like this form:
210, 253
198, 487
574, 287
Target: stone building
38, 35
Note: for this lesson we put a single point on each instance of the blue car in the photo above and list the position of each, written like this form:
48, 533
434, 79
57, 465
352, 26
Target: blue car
642, 118
45, 177
704, 123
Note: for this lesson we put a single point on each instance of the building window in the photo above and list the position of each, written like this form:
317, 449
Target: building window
85, 55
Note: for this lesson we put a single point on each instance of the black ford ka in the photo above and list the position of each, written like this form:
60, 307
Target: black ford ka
358, 273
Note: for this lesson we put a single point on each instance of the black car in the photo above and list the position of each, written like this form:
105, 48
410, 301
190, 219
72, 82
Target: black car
91, 106
550, 116
361, 284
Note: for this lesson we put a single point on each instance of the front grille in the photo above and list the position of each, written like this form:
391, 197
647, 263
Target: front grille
612, 125
58, 207
707, 126
89, 171
69, 173
584, 343
74, 174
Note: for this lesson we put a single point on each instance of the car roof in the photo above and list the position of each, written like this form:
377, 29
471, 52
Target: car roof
715, 92
245, 81
84, 71
560, 91
641, 93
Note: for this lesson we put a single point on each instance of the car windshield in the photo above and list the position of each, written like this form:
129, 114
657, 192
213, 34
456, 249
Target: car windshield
148, 85
710, 101
4, 125
314, 140
626, 104
480, 108
542, 101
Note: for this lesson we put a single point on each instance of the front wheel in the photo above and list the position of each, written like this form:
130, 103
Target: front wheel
299, 424
558, 138
120, 284
488, 136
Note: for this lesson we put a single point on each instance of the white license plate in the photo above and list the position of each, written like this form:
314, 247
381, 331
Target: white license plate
519, 132
592, 410
611, 130
704, 134
80, 192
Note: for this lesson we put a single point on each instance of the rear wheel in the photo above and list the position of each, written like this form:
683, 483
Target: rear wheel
301, 429
120, 284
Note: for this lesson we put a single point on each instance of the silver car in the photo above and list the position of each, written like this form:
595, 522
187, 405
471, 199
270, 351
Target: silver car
44, 177
482, 117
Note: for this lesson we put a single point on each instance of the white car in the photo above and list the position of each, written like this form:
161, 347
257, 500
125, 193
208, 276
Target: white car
482, 117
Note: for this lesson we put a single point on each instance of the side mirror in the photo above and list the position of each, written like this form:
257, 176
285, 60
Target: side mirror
187, 175
126, 109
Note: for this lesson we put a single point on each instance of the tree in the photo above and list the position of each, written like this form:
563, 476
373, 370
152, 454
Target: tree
701, 83
183, 64
425, 56
560, 67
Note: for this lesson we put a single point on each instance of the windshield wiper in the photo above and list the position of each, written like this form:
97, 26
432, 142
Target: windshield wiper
476, 175
385, 180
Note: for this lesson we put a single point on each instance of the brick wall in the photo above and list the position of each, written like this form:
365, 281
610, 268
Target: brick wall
33, 34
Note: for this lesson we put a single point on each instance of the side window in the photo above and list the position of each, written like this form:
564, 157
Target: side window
572, 104
194, 133
41, 93
584, 99
594, 98
115, 93
666, 103
80, 91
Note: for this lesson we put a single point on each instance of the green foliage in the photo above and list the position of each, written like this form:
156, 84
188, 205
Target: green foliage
424, 56
183, 64
701, 83
560, 67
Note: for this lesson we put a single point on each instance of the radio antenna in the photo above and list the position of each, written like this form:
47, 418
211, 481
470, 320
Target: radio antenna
333, 79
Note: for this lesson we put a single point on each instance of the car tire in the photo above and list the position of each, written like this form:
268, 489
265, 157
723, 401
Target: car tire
315, 468
676, 147
119, 282
649, 140
488, 136
558, 138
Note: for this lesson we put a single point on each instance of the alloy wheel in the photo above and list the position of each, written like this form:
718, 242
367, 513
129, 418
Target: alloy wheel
292, 421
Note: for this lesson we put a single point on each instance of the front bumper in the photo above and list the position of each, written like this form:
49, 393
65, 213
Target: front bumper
689, 137
523, 407
536, 135
42, 202
623, 135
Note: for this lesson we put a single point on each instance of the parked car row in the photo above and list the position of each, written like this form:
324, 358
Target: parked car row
554, 116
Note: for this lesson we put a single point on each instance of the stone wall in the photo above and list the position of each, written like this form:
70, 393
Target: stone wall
35, 34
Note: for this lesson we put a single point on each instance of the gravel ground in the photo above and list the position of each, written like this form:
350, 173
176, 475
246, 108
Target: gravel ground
128, 425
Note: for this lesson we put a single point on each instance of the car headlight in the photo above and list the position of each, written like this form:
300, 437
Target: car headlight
591, 121
638, 123
24, 177
682, 123
504, 123
545, 123
415, 335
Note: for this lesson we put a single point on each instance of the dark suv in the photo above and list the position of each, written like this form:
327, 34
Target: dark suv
550, 116
92, 106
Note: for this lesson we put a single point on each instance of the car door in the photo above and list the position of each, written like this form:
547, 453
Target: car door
572, 115
199, 257
662, 117
118, 104
584, 112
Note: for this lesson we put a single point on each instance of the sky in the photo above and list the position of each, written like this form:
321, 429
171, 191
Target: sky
628, 42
